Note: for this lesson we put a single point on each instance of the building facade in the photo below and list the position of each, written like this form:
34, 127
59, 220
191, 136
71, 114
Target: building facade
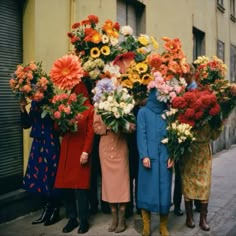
37, 30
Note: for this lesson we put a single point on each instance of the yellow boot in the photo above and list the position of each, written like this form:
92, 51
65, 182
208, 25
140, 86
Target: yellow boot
146, 216
163, 225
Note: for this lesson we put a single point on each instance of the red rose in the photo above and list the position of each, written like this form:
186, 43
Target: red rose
190, 97
206, 101
199, 115
179, 103
214, 110
189, 113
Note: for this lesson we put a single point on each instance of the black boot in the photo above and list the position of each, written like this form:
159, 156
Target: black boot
53, 217
84, 227
72, 224
203, 217
43, 216
189, 214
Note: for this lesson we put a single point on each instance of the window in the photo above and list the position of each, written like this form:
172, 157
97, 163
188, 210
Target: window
198, 43
220, 2
232, 63
221, 50
232, 10
131, 12
220, 5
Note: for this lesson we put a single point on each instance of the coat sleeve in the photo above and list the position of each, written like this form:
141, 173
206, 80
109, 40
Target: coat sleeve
142, 135
88, 144
98, 125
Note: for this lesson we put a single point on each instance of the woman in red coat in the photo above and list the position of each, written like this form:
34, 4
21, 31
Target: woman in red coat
74, 168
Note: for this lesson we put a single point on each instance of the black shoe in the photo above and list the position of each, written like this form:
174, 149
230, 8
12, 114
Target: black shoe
178, 211
72, 224
43, 216
83, 227
53, 217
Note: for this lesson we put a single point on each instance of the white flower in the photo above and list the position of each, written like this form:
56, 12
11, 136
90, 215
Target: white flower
114, 41
165, 140
116, 114
105, 39
126, 30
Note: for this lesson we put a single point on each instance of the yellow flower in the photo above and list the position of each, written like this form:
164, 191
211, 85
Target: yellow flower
146, 79
94, 52
141, 67
154, 42
127, 83
105, 50
134, 77
143, 39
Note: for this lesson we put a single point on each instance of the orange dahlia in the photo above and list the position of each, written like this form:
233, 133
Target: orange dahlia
66, 72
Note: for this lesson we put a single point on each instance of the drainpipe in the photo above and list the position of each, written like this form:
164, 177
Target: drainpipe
71, 20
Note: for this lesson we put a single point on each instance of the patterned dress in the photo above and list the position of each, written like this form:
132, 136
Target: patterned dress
43, 159
196, 166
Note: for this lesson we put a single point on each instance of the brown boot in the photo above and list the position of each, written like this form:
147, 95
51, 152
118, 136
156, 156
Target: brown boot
114, 223
203, 217
146, 216
189, 214
163, 225
121, 221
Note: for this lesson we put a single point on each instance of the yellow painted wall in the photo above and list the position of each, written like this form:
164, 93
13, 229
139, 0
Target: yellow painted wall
46, 23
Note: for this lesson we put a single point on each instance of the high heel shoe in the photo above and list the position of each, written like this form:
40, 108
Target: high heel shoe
43, 216
53, 217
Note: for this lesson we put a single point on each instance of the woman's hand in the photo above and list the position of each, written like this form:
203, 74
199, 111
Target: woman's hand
147, 162
170, 163
83, 158
23, 103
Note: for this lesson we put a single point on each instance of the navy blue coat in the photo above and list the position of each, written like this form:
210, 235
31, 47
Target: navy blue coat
154, 184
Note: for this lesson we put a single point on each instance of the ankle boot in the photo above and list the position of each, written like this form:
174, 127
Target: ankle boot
53, 217
203, 217
189, 214
43, 216
146, 216
114, 223
121, 221
163, 225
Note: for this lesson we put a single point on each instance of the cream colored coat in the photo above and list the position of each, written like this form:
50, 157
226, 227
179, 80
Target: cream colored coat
113, 153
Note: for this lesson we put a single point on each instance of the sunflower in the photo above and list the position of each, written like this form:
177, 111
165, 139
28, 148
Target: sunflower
105, 50
146, 79
127, 83
95, 52
141, 67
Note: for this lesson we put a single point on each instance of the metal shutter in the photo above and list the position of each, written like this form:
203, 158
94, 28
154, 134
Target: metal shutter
11, 160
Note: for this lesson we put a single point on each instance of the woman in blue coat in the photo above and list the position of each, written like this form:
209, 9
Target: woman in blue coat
155, 174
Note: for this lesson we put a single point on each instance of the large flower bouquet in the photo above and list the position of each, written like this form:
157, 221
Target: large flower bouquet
171, 63
95, 46
226, 96
179, 136
212, 74
32, 82
208, 71
132, 60
167, 89
65, 109
197, 107
114, 104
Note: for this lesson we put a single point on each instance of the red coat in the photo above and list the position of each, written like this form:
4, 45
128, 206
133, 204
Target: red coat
70, 173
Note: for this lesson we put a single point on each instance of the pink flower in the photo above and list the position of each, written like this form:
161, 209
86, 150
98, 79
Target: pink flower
67, 110
57, 115
67, 72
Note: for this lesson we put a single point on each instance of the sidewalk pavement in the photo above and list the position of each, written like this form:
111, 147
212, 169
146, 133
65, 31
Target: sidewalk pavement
221, 212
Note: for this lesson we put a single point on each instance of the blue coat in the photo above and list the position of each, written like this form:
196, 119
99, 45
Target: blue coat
154, 184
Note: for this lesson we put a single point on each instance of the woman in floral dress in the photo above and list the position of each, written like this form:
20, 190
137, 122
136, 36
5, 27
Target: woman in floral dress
43, 159
196, 168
